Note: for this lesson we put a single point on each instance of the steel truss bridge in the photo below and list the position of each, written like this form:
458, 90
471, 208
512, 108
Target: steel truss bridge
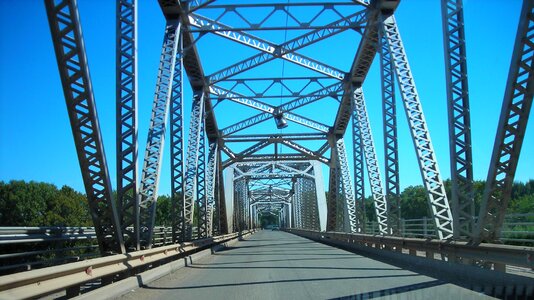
233, 178
235, 174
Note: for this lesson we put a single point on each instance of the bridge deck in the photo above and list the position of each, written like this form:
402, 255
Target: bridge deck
279, 265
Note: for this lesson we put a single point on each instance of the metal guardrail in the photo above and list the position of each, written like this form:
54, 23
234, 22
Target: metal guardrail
27, 248
517, 229
501, 255
44, 281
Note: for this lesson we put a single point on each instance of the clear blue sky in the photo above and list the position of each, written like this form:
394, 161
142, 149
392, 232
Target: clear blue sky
35, 138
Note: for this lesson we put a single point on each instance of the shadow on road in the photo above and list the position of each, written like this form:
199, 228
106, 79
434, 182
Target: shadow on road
298, 268
393, 291
277, 281
277, 260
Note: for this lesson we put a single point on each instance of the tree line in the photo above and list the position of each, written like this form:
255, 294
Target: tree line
414, 204
43, 204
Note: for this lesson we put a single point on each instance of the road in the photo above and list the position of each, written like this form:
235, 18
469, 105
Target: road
279, 265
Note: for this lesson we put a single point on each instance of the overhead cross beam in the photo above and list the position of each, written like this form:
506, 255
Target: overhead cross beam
329, 91
284, 51
253, 103
262, 143
276, 87
271, 10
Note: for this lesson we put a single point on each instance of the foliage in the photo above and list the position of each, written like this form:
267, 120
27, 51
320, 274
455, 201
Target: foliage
163, 211
268, 219
414, 203
41, 204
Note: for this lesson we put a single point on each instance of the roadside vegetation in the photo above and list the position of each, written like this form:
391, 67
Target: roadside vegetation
43, 204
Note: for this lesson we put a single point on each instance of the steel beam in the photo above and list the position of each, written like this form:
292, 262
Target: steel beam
462, 198
177, 148
126, 118
220, 199
201, 200
363, 59
148, 192
320, 194
284, 51
253, 103
511, 131
371, 161
211, 178
276, 137
301, 101
353, 212
193, 148
73, 68
391, 145
269, 10
428, 165
358, 163
172, 10
229, 190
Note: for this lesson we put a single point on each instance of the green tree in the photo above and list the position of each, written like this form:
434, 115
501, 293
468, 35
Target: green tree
41, 204
414, 204
163, 211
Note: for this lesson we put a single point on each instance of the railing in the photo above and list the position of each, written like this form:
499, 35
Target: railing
44, 281
501, 255
517, 229
27, 248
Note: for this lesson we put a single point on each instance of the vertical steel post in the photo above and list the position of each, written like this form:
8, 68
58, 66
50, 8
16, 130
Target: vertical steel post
511, 131
126, 121
201, 184
126, 118
320, 194
332, 207
391, 145
73, 68
311, 196
177, 148
462, 201
195, 128
358, 163
211, 176
353, 213
221, 211
371, 161
428, 164
156, 133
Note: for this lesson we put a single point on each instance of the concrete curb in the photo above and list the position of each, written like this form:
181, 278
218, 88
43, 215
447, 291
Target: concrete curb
127, 285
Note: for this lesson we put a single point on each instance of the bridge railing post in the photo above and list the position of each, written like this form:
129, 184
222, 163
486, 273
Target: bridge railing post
425, 227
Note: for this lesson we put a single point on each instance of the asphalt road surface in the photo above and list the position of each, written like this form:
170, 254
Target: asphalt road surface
279, 265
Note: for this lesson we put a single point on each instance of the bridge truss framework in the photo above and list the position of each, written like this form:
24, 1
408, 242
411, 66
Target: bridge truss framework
232, 175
